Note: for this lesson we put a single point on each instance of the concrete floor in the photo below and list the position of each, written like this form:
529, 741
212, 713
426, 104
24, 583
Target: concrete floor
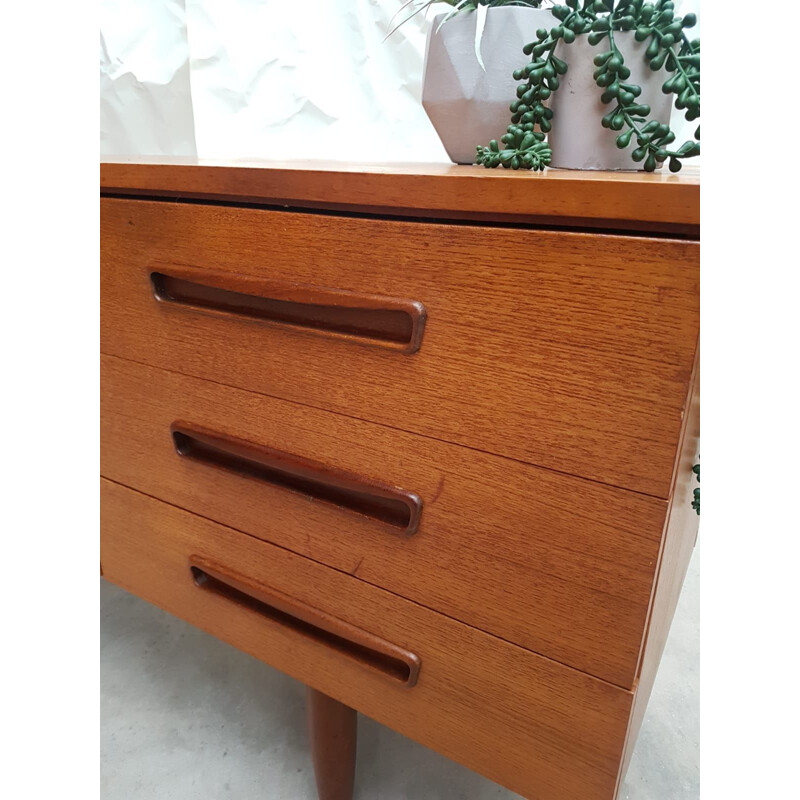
184, 715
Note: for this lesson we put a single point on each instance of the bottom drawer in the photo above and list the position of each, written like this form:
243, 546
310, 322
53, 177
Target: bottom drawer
540, 728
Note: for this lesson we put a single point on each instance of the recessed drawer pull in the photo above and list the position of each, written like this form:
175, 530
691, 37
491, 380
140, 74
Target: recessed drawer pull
384, 321
311, 623
393, 506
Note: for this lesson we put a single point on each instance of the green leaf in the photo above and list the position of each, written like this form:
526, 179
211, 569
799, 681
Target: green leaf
624, 139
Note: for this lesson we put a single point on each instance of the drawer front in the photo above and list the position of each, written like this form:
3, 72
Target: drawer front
556, 564
566, 350
541, 729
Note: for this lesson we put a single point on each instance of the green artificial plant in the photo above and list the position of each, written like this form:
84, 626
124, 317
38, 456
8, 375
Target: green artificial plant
669, 48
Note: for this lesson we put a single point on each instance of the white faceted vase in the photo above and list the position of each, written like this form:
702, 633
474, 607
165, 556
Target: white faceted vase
577, 139
468, 105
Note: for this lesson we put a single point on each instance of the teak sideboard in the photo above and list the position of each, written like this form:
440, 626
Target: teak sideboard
421, 437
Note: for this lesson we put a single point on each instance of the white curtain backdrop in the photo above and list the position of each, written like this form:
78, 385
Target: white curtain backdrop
271, 79
145, 92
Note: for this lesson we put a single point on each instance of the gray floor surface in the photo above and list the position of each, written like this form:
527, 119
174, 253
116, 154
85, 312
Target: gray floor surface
184, 715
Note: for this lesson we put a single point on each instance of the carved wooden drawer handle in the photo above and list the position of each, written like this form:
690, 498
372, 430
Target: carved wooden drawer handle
367, 649
393, 506
384, 321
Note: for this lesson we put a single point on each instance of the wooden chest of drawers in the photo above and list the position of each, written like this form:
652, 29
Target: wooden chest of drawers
422, 439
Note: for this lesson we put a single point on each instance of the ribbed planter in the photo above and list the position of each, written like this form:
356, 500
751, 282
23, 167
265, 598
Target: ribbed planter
468, 105
578, 140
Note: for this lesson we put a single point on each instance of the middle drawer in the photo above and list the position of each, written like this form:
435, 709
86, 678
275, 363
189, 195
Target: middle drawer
560, 565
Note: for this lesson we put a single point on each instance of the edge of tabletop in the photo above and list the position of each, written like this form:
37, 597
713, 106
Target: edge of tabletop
618, 200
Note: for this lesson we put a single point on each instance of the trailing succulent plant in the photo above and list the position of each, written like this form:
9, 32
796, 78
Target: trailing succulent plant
669, 48
696, 500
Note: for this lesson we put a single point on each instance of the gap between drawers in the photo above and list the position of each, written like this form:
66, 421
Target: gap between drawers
631, 689
395, 428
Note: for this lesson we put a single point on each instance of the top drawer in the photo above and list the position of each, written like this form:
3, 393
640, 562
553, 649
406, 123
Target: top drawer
567, 350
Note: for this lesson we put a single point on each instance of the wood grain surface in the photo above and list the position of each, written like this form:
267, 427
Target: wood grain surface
332, 733
679, 541
566, 350
365, 319
306, 621
612, 200
310, 479
559, 565
542, 729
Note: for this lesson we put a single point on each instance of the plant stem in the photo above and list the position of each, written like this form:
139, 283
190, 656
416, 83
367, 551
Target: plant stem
629, 120
676, 59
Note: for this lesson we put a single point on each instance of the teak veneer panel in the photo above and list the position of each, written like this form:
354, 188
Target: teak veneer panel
679, 542
566, 350
542, 729
614, 200
557, 564
532, 387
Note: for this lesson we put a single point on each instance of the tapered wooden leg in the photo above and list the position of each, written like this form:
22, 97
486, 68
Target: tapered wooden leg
332, 731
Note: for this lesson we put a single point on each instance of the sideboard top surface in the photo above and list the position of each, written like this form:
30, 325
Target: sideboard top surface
623, 201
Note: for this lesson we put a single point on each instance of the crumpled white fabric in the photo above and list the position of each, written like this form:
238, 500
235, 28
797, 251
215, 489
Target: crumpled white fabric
274, 79
145, 93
